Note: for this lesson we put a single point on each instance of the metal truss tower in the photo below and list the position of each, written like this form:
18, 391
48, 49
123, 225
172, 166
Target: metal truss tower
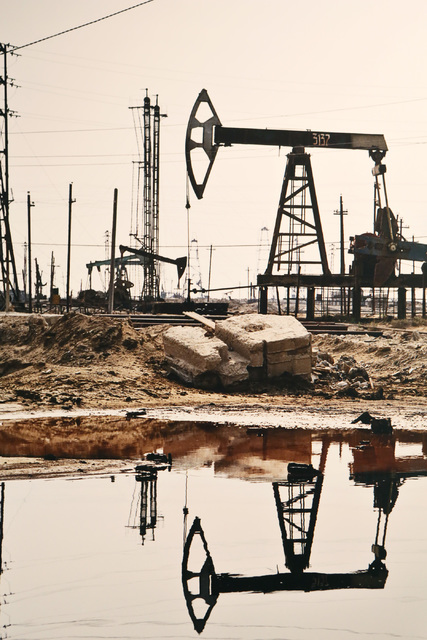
147, 206
298, 206
9, 280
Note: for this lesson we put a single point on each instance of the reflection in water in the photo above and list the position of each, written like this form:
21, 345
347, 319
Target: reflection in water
145, 510
1, 524
79, 572
297, 513
297, 502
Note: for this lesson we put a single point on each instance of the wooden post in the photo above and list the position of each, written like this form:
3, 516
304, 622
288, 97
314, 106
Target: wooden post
311, 292
210, 272
263, 299
401, 303
113, 250
30, 284
357, 303
70, 203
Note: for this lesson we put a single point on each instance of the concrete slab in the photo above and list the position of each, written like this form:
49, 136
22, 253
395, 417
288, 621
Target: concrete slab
252, 334
195, 347
270, 345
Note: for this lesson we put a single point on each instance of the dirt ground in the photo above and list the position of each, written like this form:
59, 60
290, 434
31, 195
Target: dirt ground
74, 363
95, 362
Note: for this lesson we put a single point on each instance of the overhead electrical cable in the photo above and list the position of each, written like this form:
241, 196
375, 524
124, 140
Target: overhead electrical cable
86, 24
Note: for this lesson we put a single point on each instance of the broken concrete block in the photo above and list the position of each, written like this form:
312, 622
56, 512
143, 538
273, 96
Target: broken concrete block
279, 368
252, 345
301, 365
286, 356
192, 375
233, 370
193, 346
237, 332
256, 336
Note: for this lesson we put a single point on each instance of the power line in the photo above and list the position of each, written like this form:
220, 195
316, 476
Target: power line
71, 130
165, 246
61, 33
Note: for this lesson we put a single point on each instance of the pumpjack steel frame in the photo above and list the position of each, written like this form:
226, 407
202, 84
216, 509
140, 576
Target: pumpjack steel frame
302, 232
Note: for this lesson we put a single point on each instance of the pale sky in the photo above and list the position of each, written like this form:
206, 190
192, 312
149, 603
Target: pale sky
330, 65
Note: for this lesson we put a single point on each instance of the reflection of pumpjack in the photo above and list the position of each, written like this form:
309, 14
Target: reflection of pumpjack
297, 515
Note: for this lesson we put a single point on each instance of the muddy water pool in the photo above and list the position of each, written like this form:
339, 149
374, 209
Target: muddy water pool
227, 542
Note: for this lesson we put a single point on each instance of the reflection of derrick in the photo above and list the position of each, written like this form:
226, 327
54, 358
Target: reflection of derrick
145, 512
148, 500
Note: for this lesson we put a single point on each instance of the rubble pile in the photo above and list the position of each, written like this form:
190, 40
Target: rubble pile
393, 363
344, 376
239, 348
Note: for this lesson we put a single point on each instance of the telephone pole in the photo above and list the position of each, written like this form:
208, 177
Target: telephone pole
7, 259
341, 213
30, 284
70, 206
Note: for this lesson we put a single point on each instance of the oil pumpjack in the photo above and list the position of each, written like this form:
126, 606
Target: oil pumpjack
298, 223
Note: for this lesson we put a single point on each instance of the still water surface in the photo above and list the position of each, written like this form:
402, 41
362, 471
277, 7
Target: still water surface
102, 557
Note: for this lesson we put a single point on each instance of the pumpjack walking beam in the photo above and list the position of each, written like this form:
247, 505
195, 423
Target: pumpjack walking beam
214, 135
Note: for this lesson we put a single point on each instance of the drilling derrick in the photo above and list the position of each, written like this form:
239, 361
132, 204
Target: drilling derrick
156, 161
147, 206
149, 286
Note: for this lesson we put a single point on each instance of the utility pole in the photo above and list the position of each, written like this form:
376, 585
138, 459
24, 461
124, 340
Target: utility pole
39, 286
401, 227
70, 204
24, 270
30, 284
113, 249
341, 213
7, 258
210, 271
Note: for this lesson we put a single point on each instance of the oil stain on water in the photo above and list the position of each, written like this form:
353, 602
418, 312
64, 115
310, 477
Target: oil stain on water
227, 533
